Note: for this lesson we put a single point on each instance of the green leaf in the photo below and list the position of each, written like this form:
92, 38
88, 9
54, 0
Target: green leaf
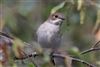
17, 46
31, 65
14, 65
55, 9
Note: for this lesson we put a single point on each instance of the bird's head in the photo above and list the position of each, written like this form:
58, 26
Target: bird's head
56, 18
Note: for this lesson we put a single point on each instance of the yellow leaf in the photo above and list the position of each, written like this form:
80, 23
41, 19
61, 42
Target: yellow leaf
1, 64
18, 46
80, 4
14, 65
96, 27
82, 16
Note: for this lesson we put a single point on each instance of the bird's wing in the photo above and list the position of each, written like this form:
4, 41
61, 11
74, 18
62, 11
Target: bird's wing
56, 40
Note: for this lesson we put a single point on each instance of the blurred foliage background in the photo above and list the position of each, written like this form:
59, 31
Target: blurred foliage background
81, 29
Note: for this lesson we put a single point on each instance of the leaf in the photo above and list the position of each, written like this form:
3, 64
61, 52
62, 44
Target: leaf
68, 61
96, 27
82, 16
14, 65
55, 9
18, 47
31, 65
80, 4
1, 64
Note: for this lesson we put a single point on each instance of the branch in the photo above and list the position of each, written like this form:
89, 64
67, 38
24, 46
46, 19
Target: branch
89, 50
56, 55
96, 44
92, 48
84, 62
74, 59
6, 35
27, 56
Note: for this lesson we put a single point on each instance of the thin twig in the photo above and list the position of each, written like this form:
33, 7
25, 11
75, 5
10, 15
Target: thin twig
27, 56
56, 55
84, 62
93, 48
6, 35
89, 50
74, 59
96, 44
31, 59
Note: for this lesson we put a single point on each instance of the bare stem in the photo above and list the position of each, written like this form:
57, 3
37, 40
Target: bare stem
6, 35
96, 44
93, 48
89, 50
74, 59
56, 55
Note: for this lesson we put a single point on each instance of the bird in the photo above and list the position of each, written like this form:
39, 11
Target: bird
49, 36
48, 33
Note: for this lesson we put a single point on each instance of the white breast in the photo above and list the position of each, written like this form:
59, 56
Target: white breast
47, 30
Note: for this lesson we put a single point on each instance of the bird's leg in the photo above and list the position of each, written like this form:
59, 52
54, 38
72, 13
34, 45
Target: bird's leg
53, 52
52, 58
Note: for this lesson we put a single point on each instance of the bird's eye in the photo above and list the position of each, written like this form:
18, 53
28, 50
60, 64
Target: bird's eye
56, 16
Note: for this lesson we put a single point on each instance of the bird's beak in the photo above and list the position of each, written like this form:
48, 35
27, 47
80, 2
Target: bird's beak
62, 18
